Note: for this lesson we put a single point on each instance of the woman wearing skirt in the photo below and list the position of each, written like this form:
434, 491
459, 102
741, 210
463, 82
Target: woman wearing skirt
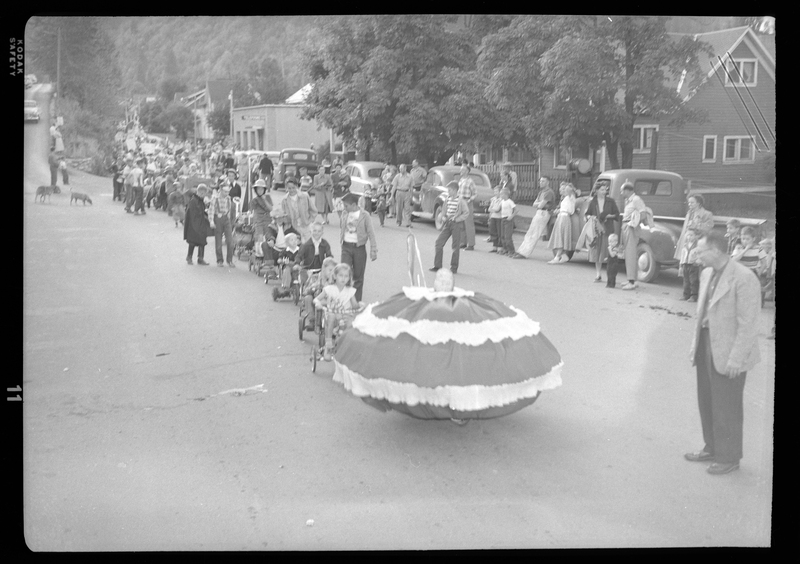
561, 238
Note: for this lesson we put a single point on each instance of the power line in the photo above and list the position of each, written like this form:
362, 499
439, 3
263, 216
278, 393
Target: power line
738, 113
739, 94
751, 95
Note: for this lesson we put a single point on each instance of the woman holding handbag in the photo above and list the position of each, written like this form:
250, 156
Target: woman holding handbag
603, 212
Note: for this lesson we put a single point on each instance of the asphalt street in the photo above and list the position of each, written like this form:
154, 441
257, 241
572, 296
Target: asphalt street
173, 407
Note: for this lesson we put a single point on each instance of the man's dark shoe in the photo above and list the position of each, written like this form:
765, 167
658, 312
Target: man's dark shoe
434, 269
231, 264
454, 270
701, 456
470, 248
220, 263
189, 261
722, 468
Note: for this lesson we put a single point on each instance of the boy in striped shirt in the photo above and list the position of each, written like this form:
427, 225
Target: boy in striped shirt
455, 213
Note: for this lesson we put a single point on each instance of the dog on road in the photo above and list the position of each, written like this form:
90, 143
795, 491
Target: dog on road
48, 191
76, 196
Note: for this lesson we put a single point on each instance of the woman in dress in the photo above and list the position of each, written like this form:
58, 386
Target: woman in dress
323, 193
603, 212
561, 238
698, 217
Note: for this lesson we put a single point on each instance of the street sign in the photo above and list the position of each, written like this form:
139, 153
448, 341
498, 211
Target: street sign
260, 118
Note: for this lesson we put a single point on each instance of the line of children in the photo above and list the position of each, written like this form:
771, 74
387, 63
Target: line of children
502, 211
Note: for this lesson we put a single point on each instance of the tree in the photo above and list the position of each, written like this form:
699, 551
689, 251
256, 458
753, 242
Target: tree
168, 87
401, 82
179, 118
585, 80
220, 121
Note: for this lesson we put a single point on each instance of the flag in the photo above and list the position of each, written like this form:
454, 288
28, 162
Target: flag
415, 270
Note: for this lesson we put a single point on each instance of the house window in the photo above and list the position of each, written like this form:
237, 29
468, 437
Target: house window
561, 156
739, 150
741, 72
709, 148
643, 138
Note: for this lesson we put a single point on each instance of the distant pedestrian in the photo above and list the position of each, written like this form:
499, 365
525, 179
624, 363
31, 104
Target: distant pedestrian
455, 212
62, 165
401, 195
733, 234
260, 206
468, 192
322, 190
341, 186
265, 170
724, 348
196, 226
511, 183
418, 175
544, 203
631, 231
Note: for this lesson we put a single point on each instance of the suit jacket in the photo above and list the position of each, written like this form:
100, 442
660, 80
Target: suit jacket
364, 231
305, 207
306, 257
733, 314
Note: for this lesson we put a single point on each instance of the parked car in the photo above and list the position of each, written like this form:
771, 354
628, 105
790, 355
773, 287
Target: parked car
31, 111
289, 165
427, 202
665, 193
365, 176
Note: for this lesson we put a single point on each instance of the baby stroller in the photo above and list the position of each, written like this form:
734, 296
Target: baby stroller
243, 235
290, 283
305, 314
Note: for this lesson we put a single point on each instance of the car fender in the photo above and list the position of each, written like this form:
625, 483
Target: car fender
662, 238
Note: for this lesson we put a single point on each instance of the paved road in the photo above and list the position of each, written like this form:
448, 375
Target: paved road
131, 443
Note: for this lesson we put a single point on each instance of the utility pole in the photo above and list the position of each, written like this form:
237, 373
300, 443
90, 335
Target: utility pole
230, 97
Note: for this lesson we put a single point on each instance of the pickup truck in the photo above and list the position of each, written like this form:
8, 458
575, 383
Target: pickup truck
665, 193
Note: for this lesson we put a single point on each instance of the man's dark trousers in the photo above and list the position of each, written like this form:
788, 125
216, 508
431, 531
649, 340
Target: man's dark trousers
720, 400
356, 257
53, 175
456, 231
222, 226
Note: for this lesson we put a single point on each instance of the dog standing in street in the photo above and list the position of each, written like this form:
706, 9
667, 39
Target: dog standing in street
43, 191
76, 196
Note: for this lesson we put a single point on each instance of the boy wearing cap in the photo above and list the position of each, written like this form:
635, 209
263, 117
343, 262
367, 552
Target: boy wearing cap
219, 210
455, 213
356, 230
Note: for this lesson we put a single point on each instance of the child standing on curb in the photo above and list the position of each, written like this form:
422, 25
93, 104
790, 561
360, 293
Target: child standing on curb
508, 210
494, 221
689, 267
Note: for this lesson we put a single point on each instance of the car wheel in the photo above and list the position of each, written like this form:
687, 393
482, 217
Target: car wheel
438, 217
648, 267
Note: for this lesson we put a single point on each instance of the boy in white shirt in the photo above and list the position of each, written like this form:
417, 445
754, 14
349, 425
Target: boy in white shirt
508, 210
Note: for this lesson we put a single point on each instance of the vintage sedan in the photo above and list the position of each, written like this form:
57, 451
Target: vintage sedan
427, 201
31, 110
365, 176
290, 163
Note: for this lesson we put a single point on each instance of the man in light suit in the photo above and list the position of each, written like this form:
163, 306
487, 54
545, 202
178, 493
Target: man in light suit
724, 348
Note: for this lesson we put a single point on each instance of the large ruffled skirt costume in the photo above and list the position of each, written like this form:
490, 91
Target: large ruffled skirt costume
446, 355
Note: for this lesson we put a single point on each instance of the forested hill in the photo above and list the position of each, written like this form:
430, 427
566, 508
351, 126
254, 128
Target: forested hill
199, 48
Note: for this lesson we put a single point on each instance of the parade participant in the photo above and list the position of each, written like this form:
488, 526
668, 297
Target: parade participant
616, 258
631, 221
544, 203
724, 348
280, 227
456, 212
325, 278
340, 303
732, 233
508, 210
314, 251
235, 192
402, 184
495, 217
299, 208
468, 192
220, 220
341, 186
261, 206
603, 211
355, 230
697, 217
195, 228
135, 180
418, 175
689, 267
265, 170
381, 206
322, 191
561, 238
305, 180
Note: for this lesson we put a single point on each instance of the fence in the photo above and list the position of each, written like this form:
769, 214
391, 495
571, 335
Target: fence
527, 180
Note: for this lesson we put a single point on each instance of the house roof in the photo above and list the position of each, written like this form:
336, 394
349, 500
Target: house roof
724, 41
300, 96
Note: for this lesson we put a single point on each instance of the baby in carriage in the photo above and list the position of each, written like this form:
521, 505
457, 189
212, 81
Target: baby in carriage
339, 302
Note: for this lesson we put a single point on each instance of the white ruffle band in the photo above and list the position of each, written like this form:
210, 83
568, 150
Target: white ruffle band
432, 332
422, 293
459, 398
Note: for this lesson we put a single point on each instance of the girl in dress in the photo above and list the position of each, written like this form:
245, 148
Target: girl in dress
339, 302
562, 230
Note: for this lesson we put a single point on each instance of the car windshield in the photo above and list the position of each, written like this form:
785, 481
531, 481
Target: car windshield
477, 179
292, 156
